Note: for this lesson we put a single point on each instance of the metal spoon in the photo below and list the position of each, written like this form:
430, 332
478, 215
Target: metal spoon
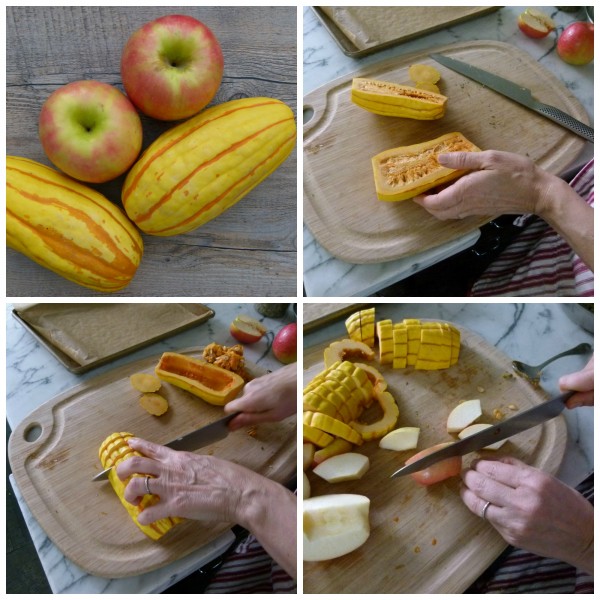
534, 372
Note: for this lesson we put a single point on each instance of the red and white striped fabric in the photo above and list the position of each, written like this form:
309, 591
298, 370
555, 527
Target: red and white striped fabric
539, 262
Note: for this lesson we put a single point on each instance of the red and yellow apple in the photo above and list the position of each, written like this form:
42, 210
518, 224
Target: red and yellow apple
284, 344
90, 131
576, 43
172, 67
535, 24
246, 329
444, 469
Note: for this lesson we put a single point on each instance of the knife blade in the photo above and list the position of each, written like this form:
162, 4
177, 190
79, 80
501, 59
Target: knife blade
209, 434
521, 422
515, 92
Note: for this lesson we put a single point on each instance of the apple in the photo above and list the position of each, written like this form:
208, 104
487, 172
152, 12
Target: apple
305, 487
343, 467
535, 24
576, 43
246, 329
338, 446
476, 428
308, 453
462, 415
334, 525
404, 438
444, 469
172, 67
90, 131
284, 344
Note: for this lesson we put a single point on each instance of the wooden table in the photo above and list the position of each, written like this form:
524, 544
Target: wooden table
248, 251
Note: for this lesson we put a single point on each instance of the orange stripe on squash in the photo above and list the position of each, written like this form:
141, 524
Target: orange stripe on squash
200, 168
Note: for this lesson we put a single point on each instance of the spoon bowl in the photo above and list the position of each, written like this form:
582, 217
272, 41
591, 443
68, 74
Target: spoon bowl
534, 372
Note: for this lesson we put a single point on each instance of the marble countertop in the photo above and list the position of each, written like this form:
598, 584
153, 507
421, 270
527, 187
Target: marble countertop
34, 376
527, 332
323, 61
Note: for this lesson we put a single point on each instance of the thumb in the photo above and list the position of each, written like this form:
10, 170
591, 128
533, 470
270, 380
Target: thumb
461, 160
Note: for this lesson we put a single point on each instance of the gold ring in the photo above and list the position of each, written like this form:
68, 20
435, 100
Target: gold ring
485, 507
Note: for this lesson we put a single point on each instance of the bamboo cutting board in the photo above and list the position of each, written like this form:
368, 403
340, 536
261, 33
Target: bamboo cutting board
340, 204
424, 540
85, 519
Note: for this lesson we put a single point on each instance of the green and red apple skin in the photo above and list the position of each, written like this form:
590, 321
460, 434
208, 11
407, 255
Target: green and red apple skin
576, 43
444, 469
285, 344
90, 131
172, 67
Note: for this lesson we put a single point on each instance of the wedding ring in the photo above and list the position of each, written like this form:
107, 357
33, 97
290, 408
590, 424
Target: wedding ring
485, 507
149, 492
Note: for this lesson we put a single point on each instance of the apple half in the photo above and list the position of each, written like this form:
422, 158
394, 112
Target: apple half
535, 24
246, 329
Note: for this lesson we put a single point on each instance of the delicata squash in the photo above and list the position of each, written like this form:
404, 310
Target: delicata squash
404, 172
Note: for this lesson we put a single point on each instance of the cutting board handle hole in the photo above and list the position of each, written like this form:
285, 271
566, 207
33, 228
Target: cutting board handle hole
33, 432
307, 114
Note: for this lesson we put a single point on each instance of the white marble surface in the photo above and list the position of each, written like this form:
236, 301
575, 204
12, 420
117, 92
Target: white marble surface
34, 376
527, 332
325, 275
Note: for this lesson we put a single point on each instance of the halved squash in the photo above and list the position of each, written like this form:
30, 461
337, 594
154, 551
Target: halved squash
346, 350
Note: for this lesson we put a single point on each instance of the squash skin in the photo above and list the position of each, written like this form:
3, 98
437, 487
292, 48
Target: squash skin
200, 168
69, 228
114, 450
207, 381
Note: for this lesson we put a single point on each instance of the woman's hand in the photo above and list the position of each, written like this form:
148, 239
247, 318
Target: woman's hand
271, 397
582, 383
499, 183
532, 510
208, 488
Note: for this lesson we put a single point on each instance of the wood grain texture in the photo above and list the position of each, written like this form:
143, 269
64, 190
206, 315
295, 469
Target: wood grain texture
340, 203
49, 47
424, 540
85, 519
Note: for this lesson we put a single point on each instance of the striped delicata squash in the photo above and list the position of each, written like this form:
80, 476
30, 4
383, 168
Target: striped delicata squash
113, 450
68, 227
199, 169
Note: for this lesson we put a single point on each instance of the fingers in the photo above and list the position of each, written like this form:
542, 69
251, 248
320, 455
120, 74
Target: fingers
149, 449
580, 399
136, 464
247, 420
476, 505
461, 160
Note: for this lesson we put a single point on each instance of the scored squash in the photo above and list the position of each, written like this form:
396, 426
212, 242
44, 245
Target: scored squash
404, 172
197, 170
114, 450
68, 227
209, 382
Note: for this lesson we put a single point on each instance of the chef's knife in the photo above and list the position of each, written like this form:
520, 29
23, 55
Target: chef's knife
525, 420
517, 93
209, 434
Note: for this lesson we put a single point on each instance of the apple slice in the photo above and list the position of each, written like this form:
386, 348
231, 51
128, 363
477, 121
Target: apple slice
338, 446
463, 415
444, 469
343, 467
334, 525
476, 428
308, 453
305, 487
246, 329
404, 438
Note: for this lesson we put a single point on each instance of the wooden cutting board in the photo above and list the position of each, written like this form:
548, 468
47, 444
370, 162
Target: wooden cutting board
340, 204
85, 519
424, 540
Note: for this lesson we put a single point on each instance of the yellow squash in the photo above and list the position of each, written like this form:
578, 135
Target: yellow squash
114, 450
68, 227
197, 170
404, 172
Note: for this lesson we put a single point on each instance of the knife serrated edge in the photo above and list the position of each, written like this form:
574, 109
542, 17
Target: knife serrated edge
517, 424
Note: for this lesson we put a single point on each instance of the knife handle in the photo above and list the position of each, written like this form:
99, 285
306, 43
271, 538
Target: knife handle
562, 118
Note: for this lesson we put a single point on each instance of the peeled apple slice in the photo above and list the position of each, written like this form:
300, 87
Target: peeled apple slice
476, 428
403, 173
334, 525
404, 438
463, 415
343, 467
305, 487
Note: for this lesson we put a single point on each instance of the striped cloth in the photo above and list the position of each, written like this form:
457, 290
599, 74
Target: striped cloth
520, 572
539, 262
250, 570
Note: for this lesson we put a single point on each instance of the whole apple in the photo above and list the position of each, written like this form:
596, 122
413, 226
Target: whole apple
576, 43
284, 344
90, 131
172, 67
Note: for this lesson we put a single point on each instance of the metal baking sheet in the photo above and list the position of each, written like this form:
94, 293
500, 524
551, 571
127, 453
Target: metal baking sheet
129, 333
